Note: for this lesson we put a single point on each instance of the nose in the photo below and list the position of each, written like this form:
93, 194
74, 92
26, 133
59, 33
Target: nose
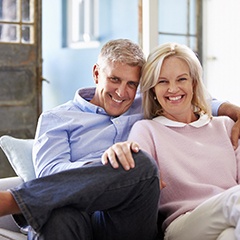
173, 88
121, 90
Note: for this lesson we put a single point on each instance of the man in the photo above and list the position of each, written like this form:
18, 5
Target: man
89, 200
79, 131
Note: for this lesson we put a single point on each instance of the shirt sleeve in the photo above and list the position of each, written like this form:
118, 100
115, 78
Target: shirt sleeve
215, 106
51, 150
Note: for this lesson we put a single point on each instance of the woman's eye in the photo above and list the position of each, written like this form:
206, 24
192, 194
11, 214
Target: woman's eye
182, 79
162, 81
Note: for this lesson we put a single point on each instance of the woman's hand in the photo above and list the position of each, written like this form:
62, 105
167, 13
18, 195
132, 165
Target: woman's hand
121, 153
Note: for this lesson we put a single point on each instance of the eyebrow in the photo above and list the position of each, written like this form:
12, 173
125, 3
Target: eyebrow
181, 75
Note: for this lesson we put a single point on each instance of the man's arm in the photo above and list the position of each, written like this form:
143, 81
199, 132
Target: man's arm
232, 111
229, 109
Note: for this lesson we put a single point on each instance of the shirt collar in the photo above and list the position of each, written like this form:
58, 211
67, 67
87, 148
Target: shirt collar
203, 120
82, 99
84, 95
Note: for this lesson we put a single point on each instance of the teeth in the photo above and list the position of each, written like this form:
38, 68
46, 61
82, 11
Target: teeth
174, 98
115, 100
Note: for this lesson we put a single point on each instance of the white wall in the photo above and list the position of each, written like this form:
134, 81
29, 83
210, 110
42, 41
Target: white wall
221, 45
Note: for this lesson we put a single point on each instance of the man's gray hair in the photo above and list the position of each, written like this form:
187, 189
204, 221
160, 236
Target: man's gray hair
123, 51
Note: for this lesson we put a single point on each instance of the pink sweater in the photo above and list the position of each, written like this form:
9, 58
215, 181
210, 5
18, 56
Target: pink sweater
196, 163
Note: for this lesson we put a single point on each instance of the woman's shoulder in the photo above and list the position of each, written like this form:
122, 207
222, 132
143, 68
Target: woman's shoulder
223, 119
148, 122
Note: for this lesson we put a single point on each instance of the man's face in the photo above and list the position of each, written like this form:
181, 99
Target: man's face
116, 86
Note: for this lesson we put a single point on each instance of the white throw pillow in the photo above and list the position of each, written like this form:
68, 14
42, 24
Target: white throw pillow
19, 154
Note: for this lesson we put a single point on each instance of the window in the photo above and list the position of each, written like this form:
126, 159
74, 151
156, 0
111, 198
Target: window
82, 23
171, 21
16, 21
186, 25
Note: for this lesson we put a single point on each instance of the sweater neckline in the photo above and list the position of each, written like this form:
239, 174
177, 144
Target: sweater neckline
203, 120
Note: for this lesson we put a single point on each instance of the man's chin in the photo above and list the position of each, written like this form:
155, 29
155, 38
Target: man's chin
117, 110
116, 113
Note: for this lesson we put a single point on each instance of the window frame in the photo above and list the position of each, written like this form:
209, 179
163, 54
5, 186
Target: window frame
17, 30
82, 29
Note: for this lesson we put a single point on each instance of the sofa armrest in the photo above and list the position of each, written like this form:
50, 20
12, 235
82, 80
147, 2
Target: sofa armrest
10, 182
7, 222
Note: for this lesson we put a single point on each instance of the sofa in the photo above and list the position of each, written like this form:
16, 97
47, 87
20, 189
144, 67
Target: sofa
19, 155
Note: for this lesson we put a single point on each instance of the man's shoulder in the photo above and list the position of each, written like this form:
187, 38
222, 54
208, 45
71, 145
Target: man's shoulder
80, 98
61, 110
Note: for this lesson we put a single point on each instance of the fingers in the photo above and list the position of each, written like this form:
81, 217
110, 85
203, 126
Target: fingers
162, 184
134, 147
121, 153
235, 134
110, 156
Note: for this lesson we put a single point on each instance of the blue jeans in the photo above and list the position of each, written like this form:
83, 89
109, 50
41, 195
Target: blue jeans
93, 202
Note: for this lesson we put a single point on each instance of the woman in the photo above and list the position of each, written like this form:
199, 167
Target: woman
197, 162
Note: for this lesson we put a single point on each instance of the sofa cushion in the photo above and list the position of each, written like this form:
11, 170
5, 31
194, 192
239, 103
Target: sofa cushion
19, 154
9, 235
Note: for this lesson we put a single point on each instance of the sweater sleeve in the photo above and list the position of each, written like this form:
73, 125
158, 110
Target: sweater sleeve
229, 124
237, 152
141, 134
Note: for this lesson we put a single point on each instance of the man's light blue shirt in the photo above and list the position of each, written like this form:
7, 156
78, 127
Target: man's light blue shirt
78, 132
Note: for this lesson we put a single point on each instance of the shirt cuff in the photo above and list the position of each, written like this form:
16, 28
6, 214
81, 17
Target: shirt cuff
215, 106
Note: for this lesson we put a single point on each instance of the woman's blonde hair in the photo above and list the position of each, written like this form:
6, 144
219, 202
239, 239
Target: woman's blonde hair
150, 75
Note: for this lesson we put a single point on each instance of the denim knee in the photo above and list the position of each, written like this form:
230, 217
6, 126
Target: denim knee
146, 163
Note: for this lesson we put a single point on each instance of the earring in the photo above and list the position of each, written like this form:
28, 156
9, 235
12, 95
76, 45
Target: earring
155, 98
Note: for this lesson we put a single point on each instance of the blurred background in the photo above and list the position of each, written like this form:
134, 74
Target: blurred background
209, 27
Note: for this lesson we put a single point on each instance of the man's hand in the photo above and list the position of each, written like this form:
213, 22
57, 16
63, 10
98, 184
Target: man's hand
120, 153
233, 112
235, 134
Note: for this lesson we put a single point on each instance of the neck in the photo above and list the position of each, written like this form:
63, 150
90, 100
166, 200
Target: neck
182, 117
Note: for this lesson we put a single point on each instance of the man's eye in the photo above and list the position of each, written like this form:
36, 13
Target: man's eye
114, 79
133, 84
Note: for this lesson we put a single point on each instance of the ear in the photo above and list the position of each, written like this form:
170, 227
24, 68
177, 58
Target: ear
95, 73
194, 86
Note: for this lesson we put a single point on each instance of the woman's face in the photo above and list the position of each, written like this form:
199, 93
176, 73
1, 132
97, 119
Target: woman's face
174, 90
